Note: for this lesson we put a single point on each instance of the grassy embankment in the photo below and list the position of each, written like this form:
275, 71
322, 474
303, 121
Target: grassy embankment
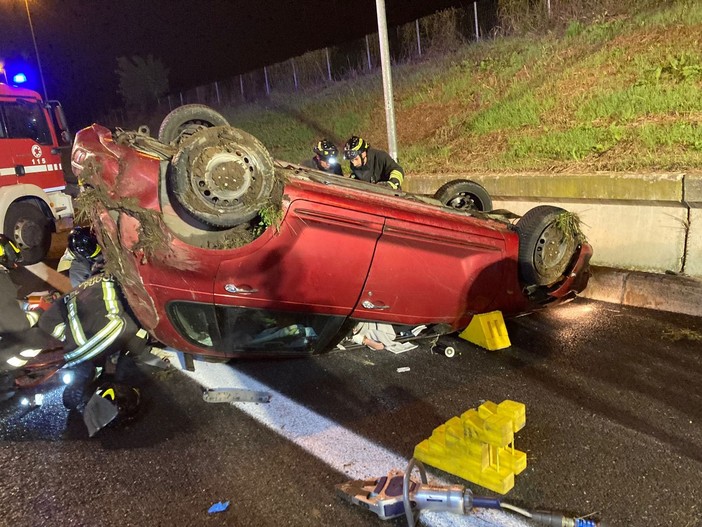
621, 94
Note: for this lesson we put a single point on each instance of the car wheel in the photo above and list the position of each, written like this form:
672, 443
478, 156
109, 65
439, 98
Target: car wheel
31, 230
545, 249
463, 194
185, 120
222, 176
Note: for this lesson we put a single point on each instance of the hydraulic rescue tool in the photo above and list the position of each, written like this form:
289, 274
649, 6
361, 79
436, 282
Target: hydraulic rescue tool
397, 493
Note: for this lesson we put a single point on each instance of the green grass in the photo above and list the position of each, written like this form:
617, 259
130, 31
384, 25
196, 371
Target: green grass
616, 92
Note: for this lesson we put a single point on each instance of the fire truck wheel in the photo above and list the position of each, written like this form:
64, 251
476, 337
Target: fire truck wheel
31, 231
222, 176
185, 120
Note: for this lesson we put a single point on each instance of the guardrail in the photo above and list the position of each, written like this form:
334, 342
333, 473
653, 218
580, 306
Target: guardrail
643, 222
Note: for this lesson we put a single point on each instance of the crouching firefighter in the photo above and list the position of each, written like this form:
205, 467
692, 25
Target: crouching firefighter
98, 332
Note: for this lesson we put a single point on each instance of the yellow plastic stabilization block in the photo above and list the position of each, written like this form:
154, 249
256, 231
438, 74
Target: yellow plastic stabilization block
488, 331
479, 445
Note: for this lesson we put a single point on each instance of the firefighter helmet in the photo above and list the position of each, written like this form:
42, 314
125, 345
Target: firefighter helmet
82, 241
326, 150
126, 398
354, 147
9, 253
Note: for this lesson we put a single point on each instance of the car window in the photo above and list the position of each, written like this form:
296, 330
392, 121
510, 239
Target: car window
26, 121
232, 329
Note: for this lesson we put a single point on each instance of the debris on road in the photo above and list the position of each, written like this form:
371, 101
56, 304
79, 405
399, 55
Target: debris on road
220, 506
235, 395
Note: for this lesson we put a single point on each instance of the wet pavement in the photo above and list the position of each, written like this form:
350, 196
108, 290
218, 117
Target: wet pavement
614, 428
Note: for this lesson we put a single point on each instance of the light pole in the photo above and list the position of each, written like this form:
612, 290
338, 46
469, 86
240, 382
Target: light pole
36, 49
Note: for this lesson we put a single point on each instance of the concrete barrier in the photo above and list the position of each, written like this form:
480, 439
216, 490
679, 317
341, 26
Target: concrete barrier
650, 222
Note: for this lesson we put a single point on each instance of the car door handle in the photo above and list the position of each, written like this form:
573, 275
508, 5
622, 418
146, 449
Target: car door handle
244, 290
370, 305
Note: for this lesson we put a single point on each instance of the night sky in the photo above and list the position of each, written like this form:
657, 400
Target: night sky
199, 41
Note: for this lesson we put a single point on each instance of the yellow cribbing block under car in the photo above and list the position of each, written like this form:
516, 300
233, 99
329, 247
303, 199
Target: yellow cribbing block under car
488, 331
479, 446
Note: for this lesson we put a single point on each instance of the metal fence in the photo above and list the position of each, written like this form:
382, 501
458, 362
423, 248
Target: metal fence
441, 32
438, 33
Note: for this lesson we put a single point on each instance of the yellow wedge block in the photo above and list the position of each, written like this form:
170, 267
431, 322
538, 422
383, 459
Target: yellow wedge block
479, 445
488, 331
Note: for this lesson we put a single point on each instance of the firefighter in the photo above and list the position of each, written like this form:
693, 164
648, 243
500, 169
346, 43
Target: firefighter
372, 165
95, 328
326, 158
83, 256
13, 319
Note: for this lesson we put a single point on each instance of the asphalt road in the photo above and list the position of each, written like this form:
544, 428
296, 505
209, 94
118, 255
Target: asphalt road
614, 428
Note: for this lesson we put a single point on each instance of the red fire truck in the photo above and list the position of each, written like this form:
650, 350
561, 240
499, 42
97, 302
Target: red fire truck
33, 198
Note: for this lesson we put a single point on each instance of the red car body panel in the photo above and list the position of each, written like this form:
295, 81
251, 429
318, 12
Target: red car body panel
340, 250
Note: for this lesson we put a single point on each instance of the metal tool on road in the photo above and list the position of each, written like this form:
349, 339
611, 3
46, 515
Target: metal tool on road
397, 493
235, 395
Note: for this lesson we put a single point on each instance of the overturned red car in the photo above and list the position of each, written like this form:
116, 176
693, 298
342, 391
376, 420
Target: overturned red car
224, 252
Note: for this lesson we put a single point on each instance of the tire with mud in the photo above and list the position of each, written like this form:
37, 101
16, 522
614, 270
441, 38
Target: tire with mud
545, 250
464, 194
30, 228
185, 120
222, 176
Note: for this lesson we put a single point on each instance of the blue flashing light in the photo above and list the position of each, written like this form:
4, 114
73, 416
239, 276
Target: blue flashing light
19, 78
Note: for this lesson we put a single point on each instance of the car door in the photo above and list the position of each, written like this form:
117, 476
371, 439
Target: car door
296, 289
432, 273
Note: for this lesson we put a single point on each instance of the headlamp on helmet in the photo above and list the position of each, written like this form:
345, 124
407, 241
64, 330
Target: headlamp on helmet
327, 151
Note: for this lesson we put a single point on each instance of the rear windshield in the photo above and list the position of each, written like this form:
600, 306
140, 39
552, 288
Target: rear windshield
24, 120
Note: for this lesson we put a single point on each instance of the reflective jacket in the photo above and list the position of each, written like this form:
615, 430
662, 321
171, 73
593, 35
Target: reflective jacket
379, 166
91, 321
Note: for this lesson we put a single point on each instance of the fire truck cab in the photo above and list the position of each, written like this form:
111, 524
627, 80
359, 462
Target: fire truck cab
33, 201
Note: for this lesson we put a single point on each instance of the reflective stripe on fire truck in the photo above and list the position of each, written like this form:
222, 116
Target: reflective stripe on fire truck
31, 169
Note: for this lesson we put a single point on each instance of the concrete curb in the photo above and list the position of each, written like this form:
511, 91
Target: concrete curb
663, 292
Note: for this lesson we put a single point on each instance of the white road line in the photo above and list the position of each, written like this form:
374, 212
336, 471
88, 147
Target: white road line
341, 449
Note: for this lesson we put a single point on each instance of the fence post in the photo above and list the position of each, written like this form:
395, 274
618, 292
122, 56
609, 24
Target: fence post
292, 61
241, 85
181, 99
370, 67
265, 76
170, 106
219, 101
548, 7
419, 41
475, 18
326, 50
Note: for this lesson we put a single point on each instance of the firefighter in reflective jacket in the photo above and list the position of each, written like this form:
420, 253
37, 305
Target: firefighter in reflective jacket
94, 322
13, 319
372, 165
